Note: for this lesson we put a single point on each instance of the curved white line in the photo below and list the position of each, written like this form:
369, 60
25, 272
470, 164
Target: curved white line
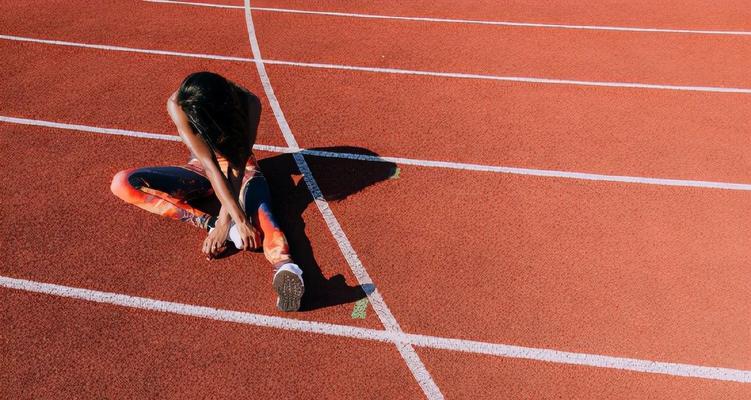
521, 79
397, 71
550, 173
468, 21
388, 320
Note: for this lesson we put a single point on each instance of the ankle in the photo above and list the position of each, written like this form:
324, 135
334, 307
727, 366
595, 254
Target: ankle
289, 267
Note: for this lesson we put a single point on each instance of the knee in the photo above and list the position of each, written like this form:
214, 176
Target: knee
121, 186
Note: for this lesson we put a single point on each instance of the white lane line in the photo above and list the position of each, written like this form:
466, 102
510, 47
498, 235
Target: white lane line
397, 338
416, 366
467, 21
87, 128
193, 3
123, 132
537, 172
125, 49
409, 161
397, 71
632, 85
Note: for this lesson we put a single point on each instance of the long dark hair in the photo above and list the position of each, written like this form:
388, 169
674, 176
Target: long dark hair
218, 112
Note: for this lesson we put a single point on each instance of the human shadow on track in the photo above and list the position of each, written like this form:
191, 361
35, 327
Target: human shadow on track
338, 178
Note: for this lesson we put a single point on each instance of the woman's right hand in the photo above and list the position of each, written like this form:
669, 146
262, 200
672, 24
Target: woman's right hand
216, 240
249, 236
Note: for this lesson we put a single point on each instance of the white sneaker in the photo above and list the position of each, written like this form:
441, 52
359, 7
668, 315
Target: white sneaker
289, 286
234, 236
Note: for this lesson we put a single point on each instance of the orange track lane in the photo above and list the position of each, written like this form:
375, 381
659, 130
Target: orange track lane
467, 376
67, 228
63, 348
601, 130
107, 89
626, 270
693, 14
129, 23
545, 53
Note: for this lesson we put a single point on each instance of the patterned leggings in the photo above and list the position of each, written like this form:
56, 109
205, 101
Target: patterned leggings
167, 191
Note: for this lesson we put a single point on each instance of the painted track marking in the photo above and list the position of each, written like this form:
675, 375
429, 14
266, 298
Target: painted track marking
410, 339
408, 353
395, 71
397, 338
466, 21
419, 340
410, 161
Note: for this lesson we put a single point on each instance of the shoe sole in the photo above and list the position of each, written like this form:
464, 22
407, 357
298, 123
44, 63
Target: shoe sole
289, 288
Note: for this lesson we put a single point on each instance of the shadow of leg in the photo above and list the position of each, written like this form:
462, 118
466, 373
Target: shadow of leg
337, 178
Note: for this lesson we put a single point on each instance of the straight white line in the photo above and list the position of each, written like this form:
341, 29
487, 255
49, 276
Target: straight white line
467, 21
409, 161
125, 49
458, 75
397, 338
537, 172
416, 366
632, 85
123, 132
266, 83
87, 128
193, 3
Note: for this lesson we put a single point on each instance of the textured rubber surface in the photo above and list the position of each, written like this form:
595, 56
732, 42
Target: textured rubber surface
107, 89
289, 289
624, 270
598, 130
56, 348
638, 271
480, 49
699, 14
133, 252
474, 376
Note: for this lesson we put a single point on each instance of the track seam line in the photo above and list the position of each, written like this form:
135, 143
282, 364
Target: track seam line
410, 356
466, 21
521, 79
396, 336
368, 334
409, 161
122, 48
395, 71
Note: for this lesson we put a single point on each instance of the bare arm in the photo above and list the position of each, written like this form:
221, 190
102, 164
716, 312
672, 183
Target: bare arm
235, 179
201, 150
253, 104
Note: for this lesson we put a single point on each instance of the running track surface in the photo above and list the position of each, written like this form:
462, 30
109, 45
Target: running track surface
598, 268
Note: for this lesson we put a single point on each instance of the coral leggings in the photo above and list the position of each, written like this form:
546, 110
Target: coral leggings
167, 191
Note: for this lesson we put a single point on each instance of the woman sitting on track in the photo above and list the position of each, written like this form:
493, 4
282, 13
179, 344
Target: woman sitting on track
217, 119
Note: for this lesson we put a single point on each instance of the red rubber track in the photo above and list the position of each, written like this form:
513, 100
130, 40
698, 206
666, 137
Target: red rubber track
464, 376
692, 14
63, 348
626, 270
107, 89
129, 23
616, 269
602, 130
676, 59
680, 135
92, 239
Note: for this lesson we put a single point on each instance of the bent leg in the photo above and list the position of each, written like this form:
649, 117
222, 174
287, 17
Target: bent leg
164, 191
255, 199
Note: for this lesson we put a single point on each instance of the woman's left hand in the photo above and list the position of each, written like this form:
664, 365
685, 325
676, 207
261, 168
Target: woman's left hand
249, 236
216, 240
